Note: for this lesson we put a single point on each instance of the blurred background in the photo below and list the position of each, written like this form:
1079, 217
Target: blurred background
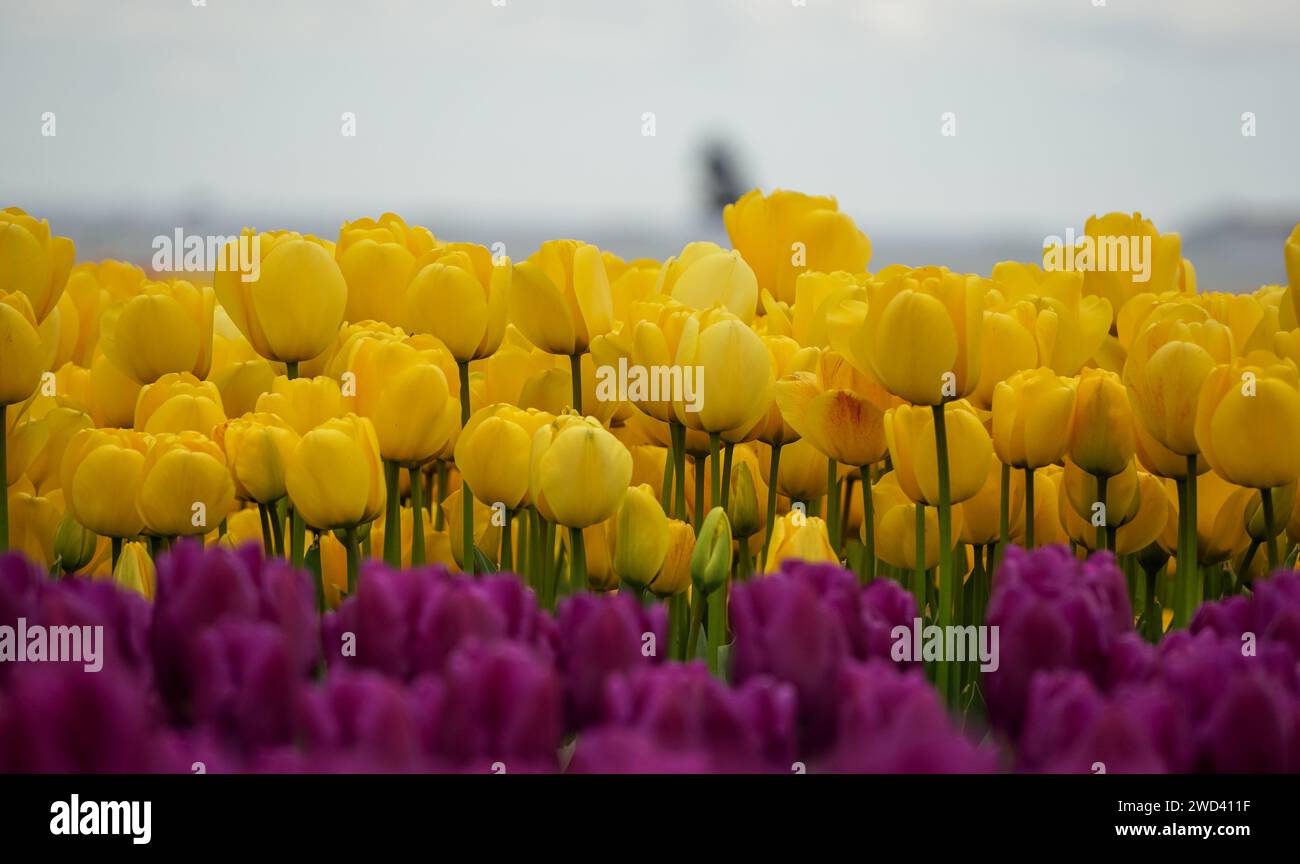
516, 121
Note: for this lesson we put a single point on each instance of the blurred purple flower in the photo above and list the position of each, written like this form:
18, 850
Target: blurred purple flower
601, 636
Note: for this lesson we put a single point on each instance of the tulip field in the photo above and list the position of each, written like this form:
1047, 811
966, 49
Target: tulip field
390, 502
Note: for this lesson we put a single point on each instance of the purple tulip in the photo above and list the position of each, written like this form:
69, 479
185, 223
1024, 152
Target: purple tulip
602, 636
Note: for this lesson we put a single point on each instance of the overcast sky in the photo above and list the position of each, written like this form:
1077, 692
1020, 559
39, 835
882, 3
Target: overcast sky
533, 110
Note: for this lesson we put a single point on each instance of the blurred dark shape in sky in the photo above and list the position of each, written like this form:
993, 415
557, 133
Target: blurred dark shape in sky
723, 178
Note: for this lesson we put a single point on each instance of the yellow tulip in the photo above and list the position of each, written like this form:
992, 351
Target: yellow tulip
674, 576
578, 472
113, 394
334, 476
1159, 459
909, 431
166, 327
460, 296
33, 261
1069, 328
1080, 489
135, 570
1248, 422
292, 310
1220, 518
92, 288
20, 346
403, 392
100, 476
712, 353
378, 259
714, 277
981, 518
33, 523
1006, 346
1118, 285
745, 511
1031, 418
922, 334
847, 426
1101, 428
895, 525
242, 384
305, 403
1149, 522
492, 452
487, 535
560, 297
1284, 504
798, 536
185, 488
257, 449
1168, 361
801, 475
638, 538
1047, 522
783, 234
74, 545
179, 402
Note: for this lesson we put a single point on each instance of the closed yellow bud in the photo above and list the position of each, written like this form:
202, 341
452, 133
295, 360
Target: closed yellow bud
743, 509
1031, 418
1006, 346
639, 538
795, 535
461, 298
100, 477
293, 309
166, 327
1248, 422
335, 476
57, 428
74, 546
1283, 507
257, 449
135, 570
718, 277
20, 346
33, 261
801, 474
560, 297
1069, 328
922, 334
492, 452
1158, 270
1101, 428
712, 354
377, 259
578, 471
909, 430
242, 384
113, 394
185, 488
1079, 489
33, 523
674, 576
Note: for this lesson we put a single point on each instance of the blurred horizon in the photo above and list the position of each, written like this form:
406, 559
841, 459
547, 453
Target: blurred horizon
524, 121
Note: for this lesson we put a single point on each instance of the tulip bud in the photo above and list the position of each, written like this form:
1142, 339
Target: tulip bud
74, 546
742, 508
711, 560
640, 541
135, 570
675, 574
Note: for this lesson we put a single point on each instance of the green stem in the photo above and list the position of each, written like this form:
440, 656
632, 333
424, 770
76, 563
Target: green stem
833, 504
467, 497
116, 544
1243, 575
578, 560
947, 570
868, 527
699, 493
679, 615
522, 557
1105, 511
575, 374
918, 572
4, 475
550, 567
715, 469
291, 369
666, 488
697, 618
392, 514
726, 473
1029, 508
417, 518
1194, 583
354, 557
717, 636
1154, 627
744, 565
507, 556
678, 432
773, 467
1181, 562
441, 495
1270, 539
268, 545
1004, 511
277, 526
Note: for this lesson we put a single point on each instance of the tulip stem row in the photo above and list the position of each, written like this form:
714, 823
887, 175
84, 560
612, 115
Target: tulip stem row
947, 571
417, 518
1266, 495
392, 515
466, 497
1029, 508
868, 573
772, 474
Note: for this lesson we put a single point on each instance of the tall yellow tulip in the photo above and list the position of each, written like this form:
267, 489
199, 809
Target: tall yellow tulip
33, 261
165, 327
377, 259
185, 488
460, 296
